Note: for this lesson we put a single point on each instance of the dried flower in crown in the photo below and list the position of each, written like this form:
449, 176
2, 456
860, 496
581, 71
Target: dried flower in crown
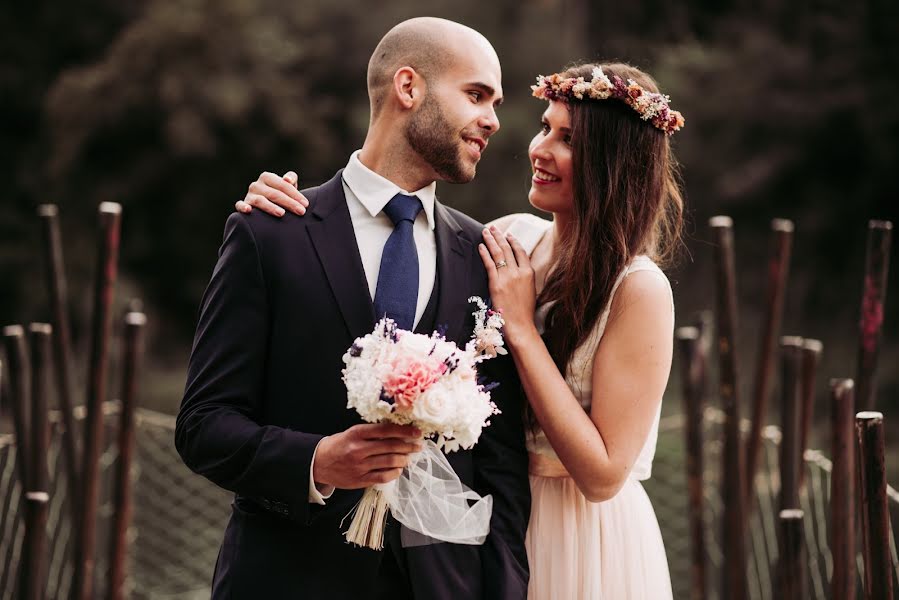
651, 106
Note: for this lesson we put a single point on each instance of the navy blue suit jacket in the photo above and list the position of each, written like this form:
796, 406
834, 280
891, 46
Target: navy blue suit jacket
287, 298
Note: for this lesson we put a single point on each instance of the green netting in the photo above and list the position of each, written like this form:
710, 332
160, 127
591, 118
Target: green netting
179, 517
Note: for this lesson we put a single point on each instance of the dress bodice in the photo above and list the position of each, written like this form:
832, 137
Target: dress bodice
529, 230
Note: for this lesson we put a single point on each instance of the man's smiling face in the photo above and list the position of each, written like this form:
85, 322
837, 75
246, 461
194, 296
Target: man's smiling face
457, 116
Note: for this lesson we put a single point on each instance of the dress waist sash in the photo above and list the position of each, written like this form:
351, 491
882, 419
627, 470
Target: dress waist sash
542, 465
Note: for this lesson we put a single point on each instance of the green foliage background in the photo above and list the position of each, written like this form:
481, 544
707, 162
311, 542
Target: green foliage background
172, 107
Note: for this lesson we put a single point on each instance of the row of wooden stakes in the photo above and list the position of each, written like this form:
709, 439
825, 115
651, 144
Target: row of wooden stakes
50, 357
41, 355
858, 466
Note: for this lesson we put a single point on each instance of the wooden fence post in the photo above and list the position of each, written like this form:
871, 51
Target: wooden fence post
791, 562
733, 478
790, 455
811, 356
37, 497
778, 270
62, 346
689, 346
842, 488
107, 270
874, 509
118, 548
877, 266
19, 374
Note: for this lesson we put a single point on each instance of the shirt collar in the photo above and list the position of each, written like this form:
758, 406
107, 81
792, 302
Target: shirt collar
374, 191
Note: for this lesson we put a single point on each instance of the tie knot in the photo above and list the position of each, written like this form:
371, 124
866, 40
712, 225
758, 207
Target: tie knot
403, 208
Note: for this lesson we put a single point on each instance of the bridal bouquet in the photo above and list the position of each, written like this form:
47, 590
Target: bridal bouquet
397, 376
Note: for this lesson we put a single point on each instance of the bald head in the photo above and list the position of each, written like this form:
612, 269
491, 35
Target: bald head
427, 44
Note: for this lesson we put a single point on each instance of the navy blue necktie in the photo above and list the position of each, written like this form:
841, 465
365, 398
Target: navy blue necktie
397, 293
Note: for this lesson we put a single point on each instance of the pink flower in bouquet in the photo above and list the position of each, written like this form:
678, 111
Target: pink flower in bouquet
407, 382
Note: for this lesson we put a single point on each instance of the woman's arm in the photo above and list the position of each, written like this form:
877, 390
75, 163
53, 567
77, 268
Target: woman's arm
630, 371
273, 194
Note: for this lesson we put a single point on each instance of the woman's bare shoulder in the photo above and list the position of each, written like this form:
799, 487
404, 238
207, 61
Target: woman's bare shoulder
642, 293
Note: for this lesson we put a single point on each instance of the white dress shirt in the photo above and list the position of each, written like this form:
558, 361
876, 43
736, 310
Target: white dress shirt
367, 193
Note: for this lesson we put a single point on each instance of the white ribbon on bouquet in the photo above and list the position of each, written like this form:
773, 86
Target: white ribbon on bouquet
434, 505
429, 500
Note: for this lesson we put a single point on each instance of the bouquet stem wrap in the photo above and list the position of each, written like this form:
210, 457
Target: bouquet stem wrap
429, 500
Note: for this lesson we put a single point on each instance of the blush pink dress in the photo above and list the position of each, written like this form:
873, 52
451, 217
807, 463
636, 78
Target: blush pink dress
577, 549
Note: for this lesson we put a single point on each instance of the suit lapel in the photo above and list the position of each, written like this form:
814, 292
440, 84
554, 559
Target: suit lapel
453, 265
334, 239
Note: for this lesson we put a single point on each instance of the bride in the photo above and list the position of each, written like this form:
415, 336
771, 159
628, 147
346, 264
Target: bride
589, 321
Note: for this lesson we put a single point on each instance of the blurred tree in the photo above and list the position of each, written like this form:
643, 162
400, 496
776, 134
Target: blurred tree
38, 40
185, 108
172, 107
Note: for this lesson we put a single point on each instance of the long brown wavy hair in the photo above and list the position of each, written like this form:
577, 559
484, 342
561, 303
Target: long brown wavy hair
627, 202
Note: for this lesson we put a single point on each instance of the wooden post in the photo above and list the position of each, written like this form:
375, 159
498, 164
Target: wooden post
107, 267
689, 346
778, 270
877, 265
811, 356
118, 549
842, 488
733, 479
704, 321
19, 369
874, 509
790, 574
791, 359
34, 546
62, 346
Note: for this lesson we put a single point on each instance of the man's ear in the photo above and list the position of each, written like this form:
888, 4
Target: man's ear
408, 87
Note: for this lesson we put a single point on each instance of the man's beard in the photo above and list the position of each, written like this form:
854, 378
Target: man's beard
434, 139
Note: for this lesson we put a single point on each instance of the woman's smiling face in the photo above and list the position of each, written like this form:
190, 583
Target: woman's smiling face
550, 155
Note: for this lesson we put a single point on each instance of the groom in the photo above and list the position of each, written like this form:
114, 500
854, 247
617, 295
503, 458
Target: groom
264, 411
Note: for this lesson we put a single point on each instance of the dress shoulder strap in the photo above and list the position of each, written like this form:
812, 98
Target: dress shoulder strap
643, 263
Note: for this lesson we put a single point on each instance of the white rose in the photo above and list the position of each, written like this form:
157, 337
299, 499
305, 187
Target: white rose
434, 407
416, 345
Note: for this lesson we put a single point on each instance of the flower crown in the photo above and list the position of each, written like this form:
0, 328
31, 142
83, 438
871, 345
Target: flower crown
651, 106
